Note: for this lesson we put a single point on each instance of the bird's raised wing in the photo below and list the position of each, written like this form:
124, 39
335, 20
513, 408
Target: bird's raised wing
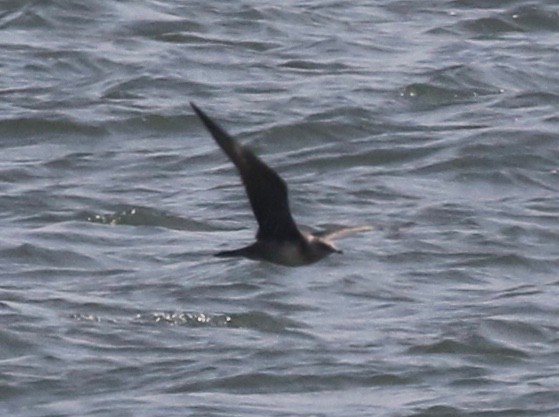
266, 190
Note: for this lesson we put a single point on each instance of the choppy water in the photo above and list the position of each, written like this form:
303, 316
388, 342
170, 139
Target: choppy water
436, 122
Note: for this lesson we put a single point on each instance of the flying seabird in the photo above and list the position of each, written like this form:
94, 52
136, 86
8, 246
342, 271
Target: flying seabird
278, 239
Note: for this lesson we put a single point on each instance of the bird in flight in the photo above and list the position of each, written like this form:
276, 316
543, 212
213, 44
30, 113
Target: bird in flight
278, 239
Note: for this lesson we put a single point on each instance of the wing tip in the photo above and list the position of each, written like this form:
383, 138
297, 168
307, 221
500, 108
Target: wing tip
197, 110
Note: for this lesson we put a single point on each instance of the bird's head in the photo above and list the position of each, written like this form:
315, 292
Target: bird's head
326, 246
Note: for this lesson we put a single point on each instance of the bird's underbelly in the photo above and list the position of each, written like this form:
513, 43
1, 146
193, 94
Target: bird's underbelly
286, 253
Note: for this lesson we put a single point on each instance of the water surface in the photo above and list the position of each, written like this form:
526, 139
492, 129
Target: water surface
435, 122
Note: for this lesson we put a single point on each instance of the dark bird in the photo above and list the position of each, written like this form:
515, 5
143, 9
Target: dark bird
278, 239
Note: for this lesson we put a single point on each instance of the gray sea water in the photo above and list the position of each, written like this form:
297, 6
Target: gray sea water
436, 122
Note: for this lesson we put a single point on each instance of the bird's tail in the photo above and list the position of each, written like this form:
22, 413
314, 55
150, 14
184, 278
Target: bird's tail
245, 252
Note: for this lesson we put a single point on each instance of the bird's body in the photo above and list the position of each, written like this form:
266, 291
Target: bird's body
299, 252
278, 239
